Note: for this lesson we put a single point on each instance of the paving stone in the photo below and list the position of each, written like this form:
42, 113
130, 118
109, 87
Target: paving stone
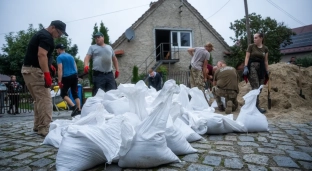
282, 169
230, 138
191, 158
6, 154
299, 125
299, 155
216, 137
257, 159
21, 163
269, 145
306, 165
223, 143
281, 142
270, 151
234, 163
41, 162
262, 139
284, 161
306, 149
224, 153
34, 144
212, 160
201, 151
199, 167
25, 168
41, 155
297, 137
179, 165
292, 132
309, 137
25, 148
163, 169
226, 148
23, 156
256, 168
247, 150
246, 138
276, 132
248, 144
300, 142
263, 134
40, 150
202, 146
5, 162
280, 135
280, 139
305, 130
285, 147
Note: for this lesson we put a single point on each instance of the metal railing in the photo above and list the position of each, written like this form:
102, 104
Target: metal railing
181, 77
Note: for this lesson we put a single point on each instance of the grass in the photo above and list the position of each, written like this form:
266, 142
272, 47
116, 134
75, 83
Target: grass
8, 149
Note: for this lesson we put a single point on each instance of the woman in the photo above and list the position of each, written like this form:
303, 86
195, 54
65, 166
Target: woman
256, 64
13, 92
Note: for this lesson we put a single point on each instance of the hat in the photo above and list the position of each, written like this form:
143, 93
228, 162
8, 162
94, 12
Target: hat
59, 25
98, 34
59, 46
209, 45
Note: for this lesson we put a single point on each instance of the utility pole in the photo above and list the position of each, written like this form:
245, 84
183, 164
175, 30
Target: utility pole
247, 23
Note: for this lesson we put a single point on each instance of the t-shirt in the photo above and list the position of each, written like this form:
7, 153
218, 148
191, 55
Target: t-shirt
257, 53
210, 69
68, 64
43, 39
227, 78
201, 54
102, 57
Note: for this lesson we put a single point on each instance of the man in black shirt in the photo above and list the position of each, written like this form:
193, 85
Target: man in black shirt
154, 79
36, 73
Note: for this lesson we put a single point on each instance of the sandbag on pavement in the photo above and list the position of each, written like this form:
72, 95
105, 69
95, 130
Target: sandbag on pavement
187, 131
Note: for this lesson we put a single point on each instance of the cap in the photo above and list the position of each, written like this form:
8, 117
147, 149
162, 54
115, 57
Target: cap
59, 46
60, 25
209, 45
98, 34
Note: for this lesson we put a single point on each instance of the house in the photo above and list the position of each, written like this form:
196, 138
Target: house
301, 46
162, 35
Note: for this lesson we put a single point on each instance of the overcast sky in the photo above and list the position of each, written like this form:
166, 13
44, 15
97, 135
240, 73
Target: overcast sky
81, 15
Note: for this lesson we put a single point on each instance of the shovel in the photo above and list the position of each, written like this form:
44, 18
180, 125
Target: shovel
269, 89
300, 84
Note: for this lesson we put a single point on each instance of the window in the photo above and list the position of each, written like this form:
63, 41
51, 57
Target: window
181, 39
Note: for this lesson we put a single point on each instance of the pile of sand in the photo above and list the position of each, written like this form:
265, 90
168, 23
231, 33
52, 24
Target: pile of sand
287, 105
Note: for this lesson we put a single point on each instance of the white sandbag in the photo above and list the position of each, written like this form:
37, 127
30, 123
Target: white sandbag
250, 116
85, 146
149, 147
187, 131
96, 117
54, 136
176, 141
118, 106
196, 120
113, 95
198, 101
182, 97
89, 105
136, 96
100, 94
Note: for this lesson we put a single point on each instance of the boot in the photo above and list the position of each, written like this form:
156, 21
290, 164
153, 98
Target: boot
221, 108
228, 109
262, 110
43, 131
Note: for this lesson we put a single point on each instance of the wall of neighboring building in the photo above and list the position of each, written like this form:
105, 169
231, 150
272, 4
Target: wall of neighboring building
165, 16
286, 58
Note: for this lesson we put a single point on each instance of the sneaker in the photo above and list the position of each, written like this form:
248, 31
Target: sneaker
43, 131
228, 109
74, 113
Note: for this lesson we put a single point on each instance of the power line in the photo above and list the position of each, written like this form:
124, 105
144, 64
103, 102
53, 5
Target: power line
219, 9
281, 9
99, 15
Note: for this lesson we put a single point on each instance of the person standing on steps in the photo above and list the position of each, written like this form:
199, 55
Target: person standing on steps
103, 57
68, 78
36, 73
256, 64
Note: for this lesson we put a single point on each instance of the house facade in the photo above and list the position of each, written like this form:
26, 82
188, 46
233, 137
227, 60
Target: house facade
162, 36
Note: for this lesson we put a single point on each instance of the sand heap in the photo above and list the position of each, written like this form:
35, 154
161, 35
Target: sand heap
287, 105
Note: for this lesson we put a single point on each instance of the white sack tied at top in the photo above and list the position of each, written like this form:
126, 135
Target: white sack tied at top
149, 147
249, 116
198, 101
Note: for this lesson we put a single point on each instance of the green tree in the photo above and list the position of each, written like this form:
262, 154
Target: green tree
275, 34
14, 50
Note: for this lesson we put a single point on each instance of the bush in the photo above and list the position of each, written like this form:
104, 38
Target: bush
135, 75
163, 71
306, 61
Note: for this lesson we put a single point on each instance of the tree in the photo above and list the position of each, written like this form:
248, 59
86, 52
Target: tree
275, 35
12, 59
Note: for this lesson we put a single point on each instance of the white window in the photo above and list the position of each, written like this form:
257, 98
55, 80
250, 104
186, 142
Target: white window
181, 39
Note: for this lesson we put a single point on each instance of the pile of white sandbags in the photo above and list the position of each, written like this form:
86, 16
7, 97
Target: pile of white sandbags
138, 127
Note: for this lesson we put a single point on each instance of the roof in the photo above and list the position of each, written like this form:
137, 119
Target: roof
4, 78
155, 5
302, 41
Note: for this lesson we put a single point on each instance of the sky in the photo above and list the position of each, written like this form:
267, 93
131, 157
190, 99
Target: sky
118, 15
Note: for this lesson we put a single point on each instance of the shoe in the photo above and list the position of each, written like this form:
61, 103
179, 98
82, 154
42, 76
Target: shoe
262, 110
74, 113
35, 129
221, 108
43, 131
228, 109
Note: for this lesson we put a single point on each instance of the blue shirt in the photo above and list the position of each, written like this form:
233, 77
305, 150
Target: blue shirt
68, 63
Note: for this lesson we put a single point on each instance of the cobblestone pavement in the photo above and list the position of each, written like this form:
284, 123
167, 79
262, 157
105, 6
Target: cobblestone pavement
287, 146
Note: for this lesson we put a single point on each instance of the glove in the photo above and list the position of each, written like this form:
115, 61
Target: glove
116, 74
86, 69
53, 68
47, 80
246, 71
246, 78
60, 85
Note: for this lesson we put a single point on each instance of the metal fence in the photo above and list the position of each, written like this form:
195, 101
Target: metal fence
181, 77
20, 102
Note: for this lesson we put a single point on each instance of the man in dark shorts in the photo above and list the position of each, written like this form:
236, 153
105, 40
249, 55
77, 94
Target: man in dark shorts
68, 78
36, 73
103, 58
